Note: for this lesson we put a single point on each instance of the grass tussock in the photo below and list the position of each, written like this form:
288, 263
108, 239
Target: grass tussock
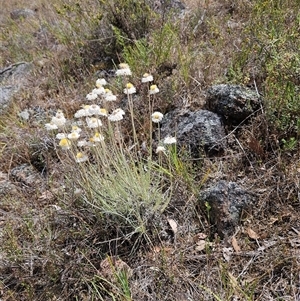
95, 204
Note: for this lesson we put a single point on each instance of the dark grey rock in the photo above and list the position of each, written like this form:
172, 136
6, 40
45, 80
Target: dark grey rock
11, 80
196, 131
226, 201
6, 94
234, 102
6, 186
21, 13
27, 175
15, 71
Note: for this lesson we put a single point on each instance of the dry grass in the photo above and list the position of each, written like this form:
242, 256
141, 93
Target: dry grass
54, 246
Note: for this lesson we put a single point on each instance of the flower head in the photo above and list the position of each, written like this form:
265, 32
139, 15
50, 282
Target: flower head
153, 89
91, 96
160, 149
76, 128
93, 122
80, 113
101, 82
170, 140
157, 117
124, 70
94, 109
109, 96
97, 137
73, 136
98, 91
81, 157
102, 112
147, 78
59, 114
51, 126
130, 89
116, 115
81, 143
59, 120
123, 66
61, 136
119, 111
65, 143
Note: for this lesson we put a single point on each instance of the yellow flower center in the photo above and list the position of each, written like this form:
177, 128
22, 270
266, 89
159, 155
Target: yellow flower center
123, 66
79, 155
64, 142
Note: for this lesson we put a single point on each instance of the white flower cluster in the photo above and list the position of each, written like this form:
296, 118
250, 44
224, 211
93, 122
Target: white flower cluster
105, 93
89, 117
57, 121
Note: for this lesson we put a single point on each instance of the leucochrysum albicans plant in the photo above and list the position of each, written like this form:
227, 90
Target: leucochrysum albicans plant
113, 177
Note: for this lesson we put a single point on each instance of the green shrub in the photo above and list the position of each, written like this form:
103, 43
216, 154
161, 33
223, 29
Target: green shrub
270, 56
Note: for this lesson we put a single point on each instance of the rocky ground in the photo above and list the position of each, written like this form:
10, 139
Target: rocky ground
231, 230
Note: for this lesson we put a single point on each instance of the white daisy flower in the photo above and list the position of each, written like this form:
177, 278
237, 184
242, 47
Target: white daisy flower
99, 91
160, 149
51, 126
102, 112
101, 82
59, 120
87, 110
157, 117
94, 109
91, 96
97, 137
170, 140
109, 96
84, 112
65, 143
116, 115
73, 136
124, 70
81, 143
80, 113
147, 78
93, 122
130, 89
59, 114
76, 128
153, 89
119, 111
61, 136
81, 157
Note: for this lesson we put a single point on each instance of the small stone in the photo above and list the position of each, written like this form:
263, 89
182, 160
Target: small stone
233, 102
12, 78
226, 201
27, 175
196, 131
21, 13
24, 115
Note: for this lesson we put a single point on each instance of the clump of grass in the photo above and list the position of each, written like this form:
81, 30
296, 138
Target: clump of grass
133, 20
122, 181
